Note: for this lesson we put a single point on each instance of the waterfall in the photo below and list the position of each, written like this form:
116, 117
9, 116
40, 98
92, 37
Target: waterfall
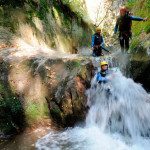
118, 118
120, 105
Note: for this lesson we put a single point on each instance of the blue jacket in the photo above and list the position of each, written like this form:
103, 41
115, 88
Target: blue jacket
100, 78
100, 42
134, 18
93, 40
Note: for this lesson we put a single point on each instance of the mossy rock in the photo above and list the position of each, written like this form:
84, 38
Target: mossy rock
35, 112
139, 71
12, 117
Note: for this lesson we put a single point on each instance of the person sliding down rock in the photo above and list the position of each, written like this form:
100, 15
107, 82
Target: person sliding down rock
123, 24
102, 76
98, 43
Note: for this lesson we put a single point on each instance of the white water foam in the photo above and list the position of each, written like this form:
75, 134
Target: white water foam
118, 119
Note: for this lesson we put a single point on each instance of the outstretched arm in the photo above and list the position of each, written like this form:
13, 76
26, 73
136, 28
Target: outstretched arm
105, 49
103, 45
137, 18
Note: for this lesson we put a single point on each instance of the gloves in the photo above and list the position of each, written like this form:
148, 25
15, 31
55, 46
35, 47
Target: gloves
145, 19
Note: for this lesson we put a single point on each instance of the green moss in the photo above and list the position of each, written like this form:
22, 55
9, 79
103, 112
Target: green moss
63, 18
131, 3
43, 9
76, 6
70, 65
139, 8
135, 43
35, 111
147, 29
11, 111
2, 88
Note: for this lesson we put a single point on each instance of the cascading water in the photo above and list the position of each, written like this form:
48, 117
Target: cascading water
118, 118
119, 106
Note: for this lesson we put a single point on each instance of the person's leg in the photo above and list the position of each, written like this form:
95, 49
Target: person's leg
121, 40
99, 51
94, 53
127, 44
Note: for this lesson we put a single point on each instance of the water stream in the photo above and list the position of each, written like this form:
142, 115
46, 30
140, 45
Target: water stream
118, 118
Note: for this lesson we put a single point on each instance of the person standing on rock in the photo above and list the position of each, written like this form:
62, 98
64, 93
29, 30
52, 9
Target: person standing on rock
123, 24
98, 43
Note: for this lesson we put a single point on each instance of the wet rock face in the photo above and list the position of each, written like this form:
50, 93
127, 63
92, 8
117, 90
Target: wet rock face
35, 88
140, 71
69, 102
66, 81
12, 117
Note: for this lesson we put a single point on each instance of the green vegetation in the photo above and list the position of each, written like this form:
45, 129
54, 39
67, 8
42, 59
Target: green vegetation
77, 6
12, 3
141, 30
62, 21
11, 111
35, 112
135, 43
70, 65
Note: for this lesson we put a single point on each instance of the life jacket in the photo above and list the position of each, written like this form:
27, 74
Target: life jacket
97, 39
125, 23
104, 73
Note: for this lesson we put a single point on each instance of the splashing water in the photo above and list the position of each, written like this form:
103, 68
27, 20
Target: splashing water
118, 119
119, 106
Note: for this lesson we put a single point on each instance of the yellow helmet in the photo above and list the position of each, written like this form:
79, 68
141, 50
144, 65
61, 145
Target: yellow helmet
103, 63
98, 29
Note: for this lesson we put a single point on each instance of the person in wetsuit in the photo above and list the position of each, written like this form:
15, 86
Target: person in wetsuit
101, 75
123, 24
98, 43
